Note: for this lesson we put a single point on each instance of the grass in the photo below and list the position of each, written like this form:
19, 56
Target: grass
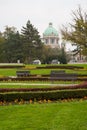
12, 72
24, 86
8, 72
47, 116
35, 84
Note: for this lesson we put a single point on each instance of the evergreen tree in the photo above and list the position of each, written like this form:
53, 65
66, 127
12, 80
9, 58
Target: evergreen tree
12, 47
63, 56
31, 42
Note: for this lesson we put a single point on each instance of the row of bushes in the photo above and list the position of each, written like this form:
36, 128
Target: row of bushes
49, 95
59, 67
80, 86
5, 66
38, 78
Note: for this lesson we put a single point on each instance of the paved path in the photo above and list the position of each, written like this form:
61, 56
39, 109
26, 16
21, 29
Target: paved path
37, 84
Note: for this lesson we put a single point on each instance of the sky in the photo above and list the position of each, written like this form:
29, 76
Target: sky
40, 12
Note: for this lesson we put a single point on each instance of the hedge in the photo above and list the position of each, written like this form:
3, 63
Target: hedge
31, 78
11, 66
59, 67
78, 86
48, 95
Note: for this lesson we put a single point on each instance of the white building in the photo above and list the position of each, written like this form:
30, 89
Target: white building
50, 36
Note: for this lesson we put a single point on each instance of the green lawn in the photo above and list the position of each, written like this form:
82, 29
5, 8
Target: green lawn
12, 71
35, 84
51, 116
8, 72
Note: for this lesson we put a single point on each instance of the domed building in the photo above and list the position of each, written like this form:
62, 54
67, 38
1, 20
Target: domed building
50, 36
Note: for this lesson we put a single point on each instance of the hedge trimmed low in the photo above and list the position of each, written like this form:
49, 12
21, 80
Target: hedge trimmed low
49, 95
59, 67
79, 86
12, 66
32, 78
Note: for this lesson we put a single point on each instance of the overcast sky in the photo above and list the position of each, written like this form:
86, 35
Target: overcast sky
40, 12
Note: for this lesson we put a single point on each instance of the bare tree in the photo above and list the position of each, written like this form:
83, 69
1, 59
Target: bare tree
76, 32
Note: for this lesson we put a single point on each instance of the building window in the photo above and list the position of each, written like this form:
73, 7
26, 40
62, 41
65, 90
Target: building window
46, 40
57, 41
52, 40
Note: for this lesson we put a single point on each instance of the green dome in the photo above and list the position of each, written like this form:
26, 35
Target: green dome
50, 31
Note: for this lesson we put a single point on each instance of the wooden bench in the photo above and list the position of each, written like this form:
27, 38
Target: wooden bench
55, 72
22, 73
61, 75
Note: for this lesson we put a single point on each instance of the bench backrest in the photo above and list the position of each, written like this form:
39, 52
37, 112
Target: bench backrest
23, 73
53, 72
63, 76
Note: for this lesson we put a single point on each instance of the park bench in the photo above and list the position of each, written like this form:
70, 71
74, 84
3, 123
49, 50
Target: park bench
22, 73
61, 75
55, 72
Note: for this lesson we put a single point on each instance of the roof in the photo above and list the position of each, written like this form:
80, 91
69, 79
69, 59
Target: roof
50, 31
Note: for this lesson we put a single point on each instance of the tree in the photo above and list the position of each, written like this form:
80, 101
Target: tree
63, 57
77, 31
49, 54
9, 31
2, 39
12, 47
31, 42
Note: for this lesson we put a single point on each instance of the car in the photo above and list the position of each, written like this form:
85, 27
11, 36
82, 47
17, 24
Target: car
54, 61
38, 62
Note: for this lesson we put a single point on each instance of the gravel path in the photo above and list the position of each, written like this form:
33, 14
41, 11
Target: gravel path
36, 84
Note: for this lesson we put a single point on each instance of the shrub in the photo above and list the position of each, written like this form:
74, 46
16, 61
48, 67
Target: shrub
48, 95
80, 86
9, 65
59, 67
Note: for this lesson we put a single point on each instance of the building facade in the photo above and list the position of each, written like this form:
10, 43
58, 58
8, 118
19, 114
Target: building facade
50, 36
